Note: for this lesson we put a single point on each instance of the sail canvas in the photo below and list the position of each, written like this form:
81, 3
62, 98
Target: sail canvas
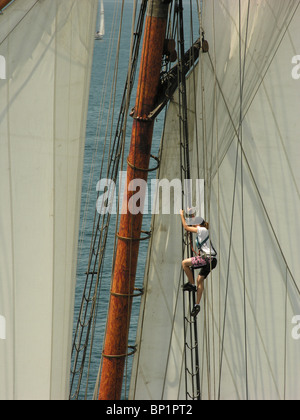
48, 52
245, 145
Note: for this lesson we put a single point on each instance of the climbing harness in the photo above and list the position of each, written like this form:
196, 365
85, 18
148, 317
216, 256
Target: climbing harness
200, 245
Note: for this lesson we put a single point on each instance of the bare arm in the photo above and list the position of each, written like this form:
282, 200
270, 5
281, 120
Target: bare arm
185, 226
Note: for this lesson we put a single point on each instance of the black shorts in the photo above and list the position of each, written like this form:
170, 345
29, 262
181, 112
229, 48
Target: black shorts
206, 269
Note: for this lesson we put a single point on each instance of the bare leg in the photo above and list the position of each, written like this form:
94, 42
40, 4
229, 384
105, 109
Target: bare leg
186, 264
200, 288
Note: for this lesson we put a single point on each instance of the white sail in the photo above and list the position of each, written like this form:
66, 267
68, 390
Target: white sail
247, 99
101, 29
47, 46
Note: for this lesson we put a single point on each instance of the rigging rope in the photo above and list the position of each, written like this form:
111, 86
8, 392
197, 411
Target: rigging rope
242, 79
244, 163
87, 316
93, 285
211, 323
239, 146
209, 331
192, 345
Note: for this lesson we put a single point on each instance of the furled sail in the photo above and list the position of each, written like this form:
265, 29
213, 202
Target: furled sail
47, 46
245, 145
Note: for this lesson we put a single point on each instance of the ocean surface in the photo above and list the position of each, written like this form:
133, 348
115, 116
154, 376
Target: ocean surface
102, 117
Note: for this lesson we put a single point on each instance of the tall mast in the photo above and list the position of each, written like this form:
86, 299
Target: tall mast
116, 340
4, 3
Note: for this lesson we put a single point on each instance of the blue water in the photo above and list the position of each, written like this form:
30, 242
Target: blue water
99, 104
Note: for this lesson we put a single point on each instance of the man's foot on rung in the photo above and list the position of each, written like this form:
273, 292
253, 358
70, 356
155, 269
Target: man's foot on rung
195, 311
188, 287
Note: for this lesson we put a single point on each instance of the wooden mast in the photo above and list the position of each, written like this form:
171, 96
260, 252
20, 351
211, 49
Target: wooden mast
4, 3
116, 340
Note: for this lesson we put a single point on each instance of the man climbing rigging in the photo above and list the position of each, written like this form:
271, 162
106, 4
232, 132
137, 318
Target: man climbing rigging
205, 260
